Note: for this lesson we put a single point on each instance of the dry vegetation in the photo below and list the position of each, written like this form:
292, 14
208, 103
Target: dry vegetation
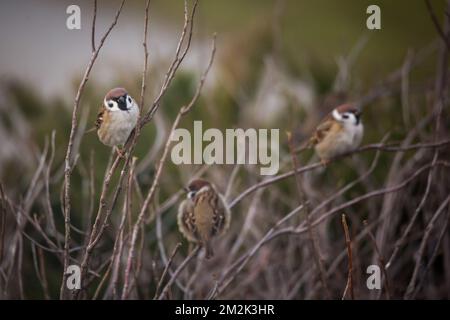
302, 234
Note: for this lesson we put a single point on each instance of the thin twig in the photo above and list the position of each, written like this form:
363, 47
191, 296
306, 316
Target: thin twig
376, 146
93, 26
436, 23
177, 272
423, 244
188, 22
169, 262
302, 228
315, 248
68, 165
443, 232
183, 111
348, 243
242, 261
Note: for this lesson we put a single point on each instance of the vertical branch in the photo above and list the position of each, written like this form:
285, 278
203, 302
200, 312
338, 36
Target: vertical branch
230, 274
183, 111
93, 26
444, 231
179, 57
91, 191
144, 70
439, 102
99, 227
348, 243
177, 272
132, 140
159, 240
43, 273
418, 263
114, 264
69, 153
49, 211
315, 249
166, 269
437, 25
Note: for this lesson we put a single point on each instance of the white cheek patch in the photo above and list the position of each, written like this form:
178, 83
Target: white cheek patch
336, 115
115, 106
130, 102
132, 105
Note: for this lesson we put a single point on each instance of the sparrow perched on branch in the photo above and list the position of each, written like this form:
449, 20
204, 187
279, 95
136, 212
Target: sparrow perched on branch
203, 215
340, 132
117, 118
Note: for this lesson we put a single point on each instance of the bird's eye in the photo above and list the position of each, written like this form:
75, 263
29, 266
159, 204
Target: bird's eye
345, 116
110, 104
191, 194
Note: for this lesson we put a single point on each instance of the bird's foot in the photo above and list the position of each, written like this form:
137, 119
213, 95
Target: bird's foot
325, 162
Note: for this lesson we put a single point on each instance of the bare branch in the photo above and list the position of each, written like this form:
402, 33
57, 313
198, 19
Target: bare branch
315, 248
378, 146
348, 243
177, 272
436, 23
188, 22
68, 158
93, 26
423, 244
183, 111
169, 262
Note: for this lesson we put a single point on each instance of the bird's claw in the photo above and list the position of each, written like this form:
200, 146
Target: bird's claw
324, 162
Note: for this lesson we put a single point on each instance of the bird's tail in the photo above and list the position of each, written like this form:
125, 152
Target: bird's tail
310, 178
208, 249
315, 158
90, 130
305, 145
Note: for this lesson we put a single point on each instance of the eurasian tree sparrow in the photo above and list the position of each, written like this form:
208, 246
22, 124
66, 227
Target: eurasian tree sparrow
203, 215
340, 132
117, 118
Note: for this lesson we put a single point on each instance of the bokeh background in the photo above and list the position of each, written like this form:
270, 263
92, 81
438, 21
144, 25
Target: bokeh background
279, 64
42, 60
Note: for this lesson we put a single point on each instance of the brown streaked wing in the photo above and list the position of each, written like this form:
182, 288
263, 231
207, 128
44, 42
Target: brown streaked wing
100, 116
189, 221
219, 216
322, 130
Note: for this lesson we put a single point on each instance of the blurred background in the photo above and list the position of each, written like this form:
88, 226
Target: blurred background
272, 56
279, 64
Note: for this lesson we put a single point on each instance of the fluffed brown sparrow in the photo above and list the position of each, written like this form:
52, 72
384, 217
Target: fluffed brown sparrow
203, 215
117, 118
340, 132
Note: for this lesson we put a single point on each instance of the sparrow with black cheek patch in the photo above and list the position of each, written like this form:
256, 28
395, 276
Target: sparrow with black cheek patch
340, 132
117, 118
203, 215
